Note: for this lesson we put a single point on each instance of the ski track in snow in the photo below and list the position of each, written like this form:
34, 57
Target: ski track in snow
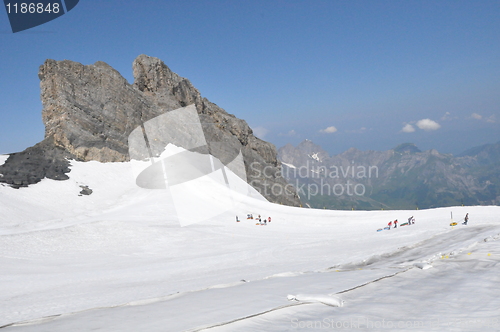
118, 260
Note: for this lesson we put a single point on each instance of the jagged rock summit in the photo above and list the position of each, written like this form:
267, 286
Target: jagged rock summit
89, 112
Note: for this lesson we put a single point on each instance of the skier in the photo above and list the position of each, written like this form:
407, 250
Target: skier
269, 219
396, 223
389, 224
237, 220
265, 221
466, 219
409, 220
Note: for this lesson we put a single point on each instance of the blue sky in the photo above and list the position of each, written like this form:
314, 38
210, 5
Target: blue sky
364, 74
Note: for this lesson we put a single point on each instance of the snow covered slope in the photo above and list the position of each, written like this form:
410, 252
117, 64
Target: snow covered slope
118, 260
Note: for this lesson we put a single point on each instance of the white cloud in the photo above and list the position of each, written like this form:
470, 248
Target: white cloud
447, 116
490, 119
428, 124
290, 133
260, 132
328, 130
408, 128
357, 131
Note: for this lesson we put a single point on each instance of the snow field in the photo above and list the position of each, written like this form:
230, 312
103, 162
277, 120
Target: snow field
118, 260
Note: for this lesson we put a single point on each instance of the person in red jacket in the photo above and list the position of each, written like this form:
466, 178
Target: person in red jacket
396, 223
389, 224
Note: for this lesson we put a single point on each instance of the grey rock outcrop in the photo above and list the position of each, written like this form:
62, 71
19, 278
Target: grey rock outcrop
86, 190
43, 160
90, 110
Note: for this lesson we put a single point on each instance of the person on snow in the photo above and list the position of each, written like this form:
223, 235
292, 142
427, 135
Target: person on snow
269, 219
265, 221
396, 223
409, 220
389, 224
237, 220
466, 219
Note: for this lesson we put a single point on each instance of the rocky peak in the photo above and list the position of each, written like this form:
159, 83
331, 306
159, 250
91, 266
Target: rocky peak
407, 148
485, 154
89, 112
306, 151
169, 90
313, 150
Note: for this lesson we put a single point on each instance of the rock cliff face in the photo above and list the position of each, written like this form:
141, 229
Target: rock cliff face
89, 112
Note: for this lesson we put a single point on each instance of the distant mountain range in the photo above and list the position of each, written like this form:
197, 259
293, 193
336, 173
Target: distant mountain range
401, 178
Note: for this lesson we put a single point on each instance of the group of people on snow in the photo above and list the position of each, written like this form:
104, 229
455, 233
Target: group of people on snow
261, 221
411, 221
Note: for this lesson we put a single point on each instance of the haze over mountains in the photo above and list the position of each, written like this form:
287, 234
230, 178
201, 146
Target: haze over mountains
401, 178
